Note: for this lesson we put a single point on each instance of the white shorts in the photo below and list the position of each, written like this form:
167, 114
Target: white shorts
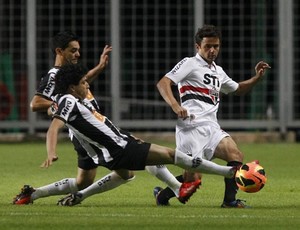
200, 140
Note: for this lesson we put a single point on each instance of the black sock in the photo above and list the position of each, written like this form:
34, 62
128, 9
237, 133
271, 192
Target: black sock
166, 194
231, 187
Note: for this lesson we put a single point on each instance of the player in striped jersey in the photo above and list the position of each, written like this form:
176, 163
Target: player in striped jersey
200, 81
104, 142
66, 49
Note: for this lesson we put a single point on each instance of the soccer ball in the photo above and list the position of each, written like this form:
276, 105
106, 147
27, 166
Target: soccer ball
251, 177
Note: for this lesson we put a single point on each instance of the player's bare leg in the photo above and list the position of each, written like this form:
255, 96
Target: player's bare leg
85, 177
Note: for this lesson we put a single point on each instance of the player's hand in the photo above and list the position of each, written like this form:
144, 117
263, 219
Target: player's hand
137, 138
180, 111
52, 109
261, 67
48, 162
104, 56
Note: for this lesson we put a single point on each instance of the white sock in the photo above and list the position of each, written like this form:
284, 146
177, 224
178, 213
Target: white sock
163, 174
64, 186
198, 164
106, 183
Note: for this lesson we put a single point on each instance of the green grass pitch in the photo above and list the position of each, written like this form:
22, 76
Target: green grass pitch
132, 206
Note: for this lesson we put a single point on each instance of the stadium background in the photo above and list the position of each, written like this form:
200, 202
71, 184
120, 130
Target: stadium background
148, 39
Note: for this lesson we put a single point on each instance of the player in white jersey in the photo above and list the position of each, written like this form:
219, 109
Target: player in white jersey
110, 147
200, 81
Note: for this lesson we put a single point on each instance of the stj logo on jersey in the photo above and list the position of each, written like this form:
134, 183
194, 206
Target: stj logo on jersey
213, 81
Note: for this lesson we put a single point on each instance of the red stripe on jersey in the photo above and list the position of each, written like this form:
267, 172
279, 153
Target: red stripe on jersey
195, 89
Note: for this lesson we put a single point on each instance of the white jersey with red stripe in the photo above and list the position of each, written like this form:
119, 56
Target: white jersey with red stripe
199, 86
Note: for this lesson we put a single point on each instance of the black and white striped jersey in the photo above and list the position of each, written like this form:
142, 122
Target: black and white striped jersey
46, 88
91, 127
47, 84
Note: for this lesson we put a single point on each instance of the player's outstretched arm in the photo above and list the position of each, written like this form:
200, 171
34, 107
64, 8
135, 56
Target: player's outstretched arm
51, 142
247, 85
103, 62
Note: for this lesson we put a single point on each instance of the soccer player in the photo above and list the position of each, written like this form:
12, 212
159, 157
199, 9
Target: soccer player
106, 144
200, 81
66, 49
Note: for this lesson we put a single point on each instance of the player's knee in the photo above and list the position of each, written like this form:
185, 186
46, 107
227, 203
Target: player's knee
84, 180
83, 183
129, 176
125, 174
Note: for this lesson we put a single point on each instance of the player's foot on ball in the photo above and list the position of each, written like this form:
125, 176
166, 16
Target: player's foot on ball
158, 199
24, 197
235, 204
187, 189
70, 200
236, 168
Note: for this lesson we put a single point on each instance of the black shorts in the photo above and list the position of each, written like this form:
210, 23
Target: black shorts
133, 157
84, 161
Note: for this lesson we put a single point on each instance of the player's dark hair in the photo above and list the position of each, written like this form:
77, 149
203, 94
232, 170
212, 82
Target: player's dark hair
69, 74
207, 31
62, 40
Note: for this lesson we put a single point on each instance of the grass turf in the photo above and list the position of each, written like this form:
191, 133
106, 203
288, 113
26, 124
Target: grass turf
132, 206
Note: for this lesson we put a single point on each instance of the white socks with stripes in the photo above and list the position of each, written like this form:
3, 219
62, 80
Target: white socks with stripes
198, 164
62, 187
106, 183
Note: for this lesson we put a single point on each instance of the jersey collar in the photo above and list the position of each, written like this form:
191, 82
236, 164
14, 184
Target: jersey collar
204, 63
